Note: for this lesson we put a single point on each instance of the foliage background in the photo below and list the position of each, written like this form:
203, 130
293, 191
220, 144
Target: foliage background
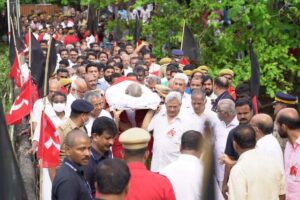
273, 26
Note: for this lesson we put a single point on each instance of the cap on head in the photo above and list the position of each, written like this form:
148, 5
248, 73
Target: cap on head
177, 52
226, 72
162, 90
134, 138
164, 61
81, 106
285, 98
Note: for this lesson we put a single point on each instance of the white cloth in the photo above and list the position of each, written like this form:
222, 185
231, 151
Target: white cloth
154, 68
186, 101
197, 122
24, 72
47, 185
270, 146
221, 134
70, 100
117, 98
126, 71
256, 176
54, 119
185, 174
167, 139
90, 39
89, 125
38, 108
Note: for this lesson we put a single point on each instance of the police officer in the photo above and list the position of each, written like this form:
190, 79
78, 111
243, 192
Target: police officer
143, 183
80, 110
69, 182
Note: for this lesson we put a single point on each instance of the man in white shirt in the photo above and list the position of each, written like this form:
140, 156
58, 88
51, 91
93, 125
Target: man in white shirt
168, 126
265, 142
97, 101
198, 115
186, 173
152, 67
255, 175
179, 84
39, 105
78, 89
228, 121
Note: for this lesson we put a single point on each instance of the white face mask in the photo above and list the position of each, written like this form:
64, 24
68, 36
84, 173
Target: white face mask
59, 107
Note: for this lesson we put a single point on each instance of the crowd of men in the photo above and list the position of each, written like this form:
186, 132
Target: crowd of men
157, 153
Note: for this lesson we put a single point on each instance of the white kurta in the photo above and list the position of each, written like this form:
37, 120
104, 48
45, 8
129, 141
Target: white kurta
185, 174
167, 139
89, 125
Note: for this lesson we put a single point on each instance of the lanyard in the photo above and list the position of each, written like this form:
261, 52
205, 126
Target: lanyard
86, 183
93, 157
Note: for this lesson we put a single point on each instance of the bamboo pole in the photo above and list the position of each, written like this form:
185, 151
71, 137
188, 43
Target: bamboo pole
182, 35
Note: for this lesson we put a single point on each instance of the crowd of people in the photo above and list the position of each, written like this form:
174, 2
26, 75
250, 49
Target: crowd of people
111, 148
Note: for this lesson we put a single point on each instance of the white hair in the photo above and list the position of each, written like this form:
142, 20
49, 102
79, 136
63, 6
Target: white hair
74, 85
181, 76
227, 106
134, 90
173, 95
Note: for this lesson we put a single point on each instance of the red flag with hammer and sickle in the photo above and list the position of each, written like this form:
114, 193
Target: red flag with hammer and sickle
49, 143
22, 105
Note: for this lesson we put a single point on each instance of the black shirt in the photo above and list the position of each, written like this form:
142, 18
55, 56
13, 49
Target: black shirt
229, 150
91, 169
224, 95
70, 184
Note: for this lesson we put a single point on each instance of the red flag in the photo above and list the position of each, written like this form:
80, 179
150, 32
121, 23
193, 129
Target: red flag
15, 72
22, 105
49, 143
184, 61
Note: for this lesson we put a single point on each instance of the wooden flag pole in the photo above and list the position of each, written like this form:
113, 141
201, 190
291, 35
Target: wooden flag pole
47, 66
182, 35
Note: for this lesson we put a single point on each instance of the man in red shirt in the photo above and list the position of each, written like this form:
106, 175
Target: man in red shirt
71, 37
144, 184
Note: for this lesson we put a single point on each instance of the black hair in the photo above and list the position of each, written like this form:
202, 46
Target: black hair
74, 49
102, 124
191, 140
244, 136
64, 62
119, 65
242, 102
131, 74
91, 65
116, 75
91, 53
112, 176
221, 82
62, 70
139, 69
63, 50
58, 93
171, 67
206, 78
108, 67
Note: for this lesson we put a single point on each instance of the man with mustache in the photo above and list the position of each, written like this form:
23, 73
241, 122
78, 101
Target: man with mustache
69, 182
244, 113
103, 132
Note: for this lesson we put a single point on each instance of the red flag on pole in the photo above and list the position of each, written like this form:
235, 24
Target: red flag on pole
184, 61
49, 143
22, 105
15, 72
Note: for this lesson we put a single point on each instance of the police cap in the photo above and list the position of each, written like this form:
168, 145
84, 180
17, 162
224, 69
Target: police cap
81, 106
134, 138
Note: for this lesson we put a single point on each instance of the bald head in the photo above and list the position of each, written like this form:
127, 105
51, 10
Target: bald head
289, 113
263, 122
134, 89
54, 86
74, 135
91, 81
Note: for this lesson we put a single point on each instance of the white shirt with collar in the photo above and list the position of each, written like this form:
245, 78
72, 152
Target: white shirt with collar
269, 145
70, 100
38, 108
186, 175
89, 125
186, 101
221, 134
167, 139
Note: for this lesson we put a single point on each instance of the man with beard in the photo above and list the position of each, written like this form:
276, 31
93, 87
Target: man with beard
207, 86
288, 123
73, 55
104, 131
91, 82
69, 182
78, 89
105, 82
244, 113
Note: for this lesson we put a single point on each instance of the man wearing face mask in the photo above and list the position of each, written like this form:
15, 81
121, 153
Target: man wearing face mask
59, 116
80, 111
